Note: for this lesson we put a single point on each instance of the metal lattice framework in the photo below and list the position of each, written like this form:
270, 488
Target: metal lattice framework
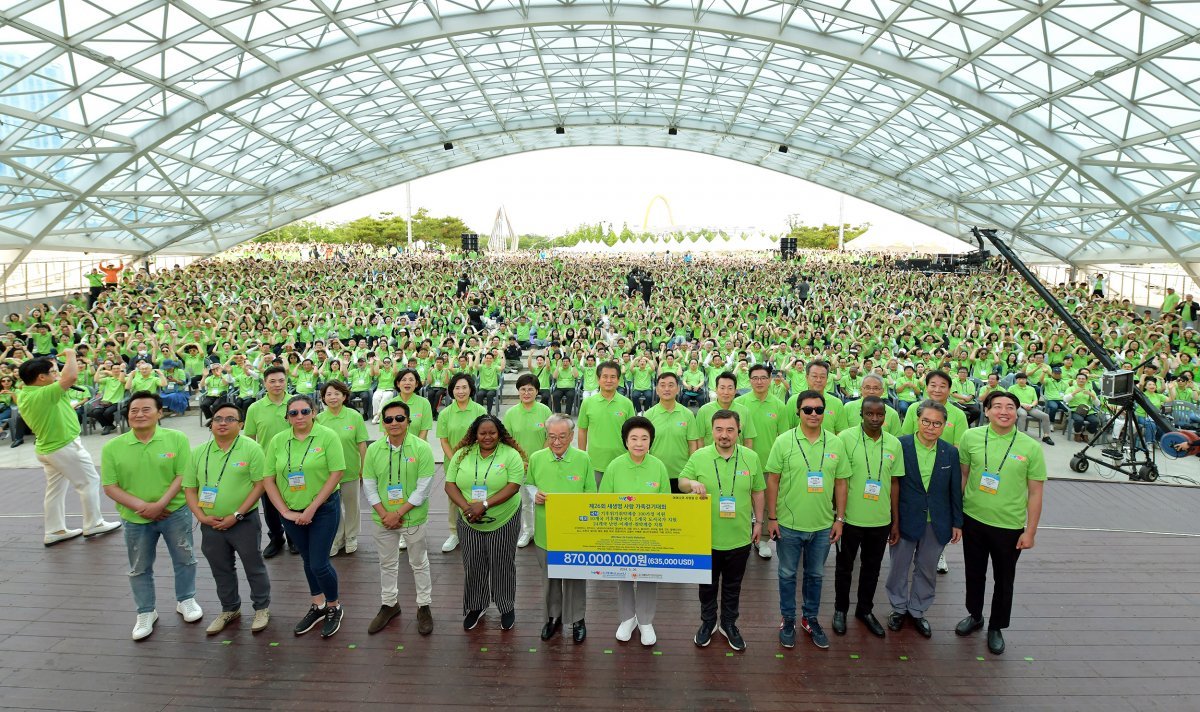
187, 126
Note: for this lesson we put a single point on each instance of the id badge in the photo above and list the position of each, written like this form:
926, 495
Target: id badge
872, 490
208, 497
296, 482
727, 507
478, 494
395, 494
816, 482
989, 482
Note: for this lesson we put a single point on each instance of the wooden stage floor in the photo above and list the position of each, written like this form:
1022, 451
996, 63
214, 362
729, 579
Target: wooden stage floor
1106, 617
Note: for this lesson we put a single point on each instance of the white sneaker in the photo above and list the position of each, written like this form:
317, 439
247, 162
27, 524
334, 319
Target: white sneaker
764, 549
647, 634
102, 528
625, 630
351, 546
451, 544
190, 610
145, 624
61, 536
223, 619
524, 540
261, 618
403, 544
942, 566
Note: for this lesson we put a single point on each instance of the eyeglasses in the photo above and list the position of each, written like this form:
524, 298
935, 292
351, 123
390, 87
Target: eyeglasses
225, 419
811, 409
760, 378
389, 419
565, 436
932, 423
302, 411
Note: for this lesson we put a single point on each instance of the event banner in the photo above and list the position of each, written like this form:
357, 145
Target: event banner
629, 537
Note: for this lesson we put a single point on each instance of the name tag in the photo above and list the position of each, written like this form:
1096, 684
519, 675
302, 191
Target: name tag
478, 494
208, 497
816, 481
989, 482
395, 494
296, 482
727, 507
871, 491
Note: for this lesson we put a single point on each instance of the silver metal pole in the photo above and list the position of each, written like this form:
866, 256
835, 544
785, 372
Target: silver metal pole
408, 209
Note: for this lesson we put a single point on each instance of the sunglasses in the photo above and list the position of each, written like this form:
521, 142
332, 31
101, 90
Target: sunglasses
388, 419
225, 419
302, 411
810, 409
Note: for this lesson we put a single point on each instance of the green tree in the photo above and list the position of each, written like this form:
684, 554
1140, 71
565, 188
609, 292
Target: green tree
824, 237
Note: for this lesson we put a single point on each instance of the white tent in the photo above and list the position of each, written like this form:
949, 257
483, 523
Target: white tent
899, 244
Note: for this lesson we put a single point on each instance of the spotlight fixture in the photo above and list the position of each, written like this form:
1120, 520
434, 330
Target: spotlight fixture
782, 148
672, 131
447, 145
559, 130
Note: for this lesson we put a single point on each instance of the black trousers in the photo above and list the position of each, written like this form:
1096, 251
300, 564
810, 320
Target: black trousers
981, 542
728, 568
274, 521
105, 414
873, 542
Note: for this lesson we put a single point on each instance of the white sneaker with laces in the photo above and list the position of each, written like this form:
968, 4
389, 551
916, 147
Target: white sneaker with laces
451, 544
647, 634
145, 624
524, 540
764, 549
223, 619
625, 630
942, 566
261, 618
190, 610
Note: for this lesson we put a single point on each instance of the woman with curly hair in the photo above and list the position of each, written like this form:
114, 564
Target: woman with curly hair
482, 479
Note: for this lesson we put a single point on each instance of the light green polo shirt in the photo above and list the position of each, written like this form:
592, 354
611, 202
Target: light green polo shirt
771, 418
873, 464
570, 474
265, 420
737, 476
673, 432
624, 476
233, 472
389, 466
528, 426
454, 422
806, 478
48, 412
835, 420
145, 470
350, 430
602, 419
315, 456
852, 416
504, 467
1012, 460
704, 418
956, 424
420, 413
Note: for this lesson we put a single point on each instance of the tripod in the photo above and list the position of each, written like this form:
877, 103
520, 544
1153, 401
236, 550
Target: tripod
1126, 451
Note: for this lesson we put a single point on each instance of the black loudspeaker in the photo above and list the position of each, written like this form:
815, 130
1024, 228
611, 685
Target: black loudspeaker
787, 248
470, 242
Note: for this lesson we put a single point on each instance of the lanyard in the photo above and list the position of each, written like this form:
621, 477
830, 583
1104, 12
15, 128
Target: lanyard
208, 452
807, 465
403, 465
867, 458
737, 457
491, 461
1006, 452
289, 453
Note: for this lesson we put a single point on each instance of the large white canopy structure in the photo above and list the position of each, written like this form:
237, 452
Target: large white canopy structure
187, 126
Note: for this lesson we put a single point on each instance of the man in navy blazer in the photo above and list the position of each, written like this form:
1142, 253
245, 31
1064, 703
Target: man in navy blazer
927, 512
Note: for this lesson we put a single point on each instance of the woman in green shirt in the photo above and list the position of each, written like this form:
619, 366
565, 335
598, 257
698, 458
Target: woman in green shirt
351, 432
307, 463
636, 472
482, 479
452, 425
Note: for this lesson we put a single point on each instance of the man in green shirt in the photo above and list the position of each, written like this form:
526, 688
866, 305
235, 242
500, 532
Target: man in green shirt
725, 390
559, 469
46, 408
265, 419
142, 471
816, 373
768, 417
874, 459
222, 486
1004, 472
731, 476
601, 416
806, 482
872, 385
676, 434
398, 479
1028, 399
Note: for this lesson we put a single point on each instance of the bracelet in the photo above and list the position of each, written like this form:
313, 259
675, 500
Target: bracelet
773, 519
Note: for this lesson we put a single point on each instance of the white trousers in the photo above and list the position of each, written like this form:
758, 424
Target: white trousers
387, 541
351, 522
70, 464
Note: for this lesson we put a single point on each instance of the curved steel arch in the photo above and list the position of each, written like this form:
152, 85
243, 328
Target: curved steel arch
1071, 179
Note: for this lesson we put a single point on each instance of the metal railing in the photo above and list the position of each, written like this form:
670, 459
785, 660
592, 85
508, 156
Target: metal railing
1144, 287
56, 278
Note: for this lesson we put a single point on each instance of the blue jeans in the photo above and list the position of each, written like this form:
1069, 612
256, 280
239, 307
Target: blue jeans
902, 406
815, 548
141, 541
314, 542
1149, 430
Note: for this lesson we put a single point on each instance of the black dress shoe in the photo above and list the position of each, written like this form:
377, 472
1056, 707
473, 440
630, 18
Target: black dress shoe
895, 621
923, 628
553, 625
995, 642
292, 547
273, 548
839, 622
968, 625
578, 632
872, 624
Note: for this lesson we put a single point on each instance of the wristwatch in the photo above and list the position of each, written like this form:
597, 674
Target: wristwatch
485, 505
839, 519
239, 516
